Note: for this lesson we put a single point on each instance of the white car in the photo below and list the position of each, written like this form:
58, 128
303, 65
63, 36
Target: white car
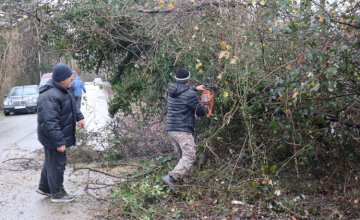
97, 81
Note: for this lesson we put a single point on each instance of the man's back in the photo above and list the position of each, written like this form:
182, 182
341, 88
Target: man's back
182, 104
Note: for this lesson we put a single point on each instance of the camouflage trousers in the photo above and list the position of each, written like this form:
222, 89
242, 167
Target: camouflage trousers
185, 150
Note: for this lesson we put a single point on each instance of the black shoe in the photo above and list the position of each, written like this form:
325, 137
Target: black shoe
168, 180
43, 193
66, 198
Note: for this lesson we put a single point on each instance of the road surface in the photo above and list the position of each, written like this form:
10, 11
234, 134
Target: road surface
18, 139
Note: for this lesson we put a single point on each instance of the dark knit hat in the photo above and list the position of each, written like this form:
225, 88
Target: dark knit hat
182, 75
61, 72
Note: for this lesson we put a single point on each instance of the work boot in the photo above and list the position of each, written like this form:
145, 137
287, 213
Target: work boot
66, 198
168, 180
43, 193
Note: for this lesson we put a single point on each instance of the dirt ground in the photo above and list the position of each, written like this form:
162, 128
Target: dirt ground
18, 199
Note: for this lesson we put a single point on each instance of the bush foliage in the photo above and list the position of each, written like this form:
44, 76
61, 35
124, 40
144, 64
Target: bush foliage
285, 73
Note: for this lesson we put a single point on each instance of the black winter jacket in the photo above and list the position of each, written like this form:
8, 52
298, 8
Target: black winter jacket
182, 103
57, 115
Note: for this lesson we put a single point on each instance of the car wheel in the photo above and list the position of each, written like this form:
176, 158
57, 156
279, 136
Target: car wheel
7, 113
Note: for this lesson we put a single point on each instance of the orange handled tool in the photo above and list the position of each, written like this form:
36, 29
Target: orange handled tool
207, 98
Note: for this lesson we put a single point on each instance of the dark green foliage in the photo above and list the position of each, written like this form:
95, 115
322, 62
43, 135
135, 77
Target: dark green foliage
286, 75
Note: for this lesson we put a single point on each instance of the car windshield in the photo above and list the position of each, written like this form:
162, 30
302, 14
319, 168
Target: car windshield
44, 81
23, 91
97, 79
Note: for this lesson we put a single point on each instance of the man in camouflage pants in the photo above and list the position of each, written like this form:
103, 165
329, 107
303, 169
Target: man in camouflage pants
182, 104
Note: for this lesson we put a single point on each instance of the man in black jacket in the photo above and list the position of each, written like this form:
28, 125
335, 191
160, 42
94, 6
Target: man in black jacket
57, 117
182, 105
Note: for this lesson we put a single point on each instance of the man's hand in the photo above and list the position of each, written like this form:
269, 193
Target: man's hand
200, 88
61, 149
81, 124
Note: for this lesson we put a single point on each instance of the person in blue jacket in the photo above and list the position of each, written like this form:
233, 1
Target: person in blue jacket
79, 86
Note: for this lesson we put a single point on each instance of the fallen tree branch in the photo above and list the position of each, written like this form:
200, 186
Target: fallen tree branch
232, 173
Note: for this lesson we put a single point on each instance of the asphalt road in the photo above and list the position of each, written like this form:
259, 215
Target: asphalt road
18, 139
18, 135
18, 132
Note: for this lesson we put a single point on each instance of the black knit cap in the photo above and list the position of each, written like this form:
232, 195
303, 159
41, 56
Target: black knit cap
61, 72
182, 75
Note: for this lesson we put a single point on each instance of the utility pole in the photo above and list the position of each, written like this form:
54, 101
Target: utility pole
39, 63
37, 32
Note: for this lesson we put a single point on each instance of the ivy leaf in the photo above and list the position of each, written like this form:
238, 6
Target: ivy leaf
253, 2
223, 45
264, 167
333, 70
263, 2
222, 54
233, 60
171, 6
273, 168
225, 94
273, 124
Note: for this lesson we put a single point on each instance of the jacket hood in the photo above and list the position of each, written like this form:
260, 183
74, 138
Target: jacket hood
51, 84
177, 88
77, 78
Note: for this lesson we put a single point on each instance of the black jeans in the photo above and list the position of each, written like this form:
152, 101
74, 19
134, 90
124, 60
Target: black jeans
52, 173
